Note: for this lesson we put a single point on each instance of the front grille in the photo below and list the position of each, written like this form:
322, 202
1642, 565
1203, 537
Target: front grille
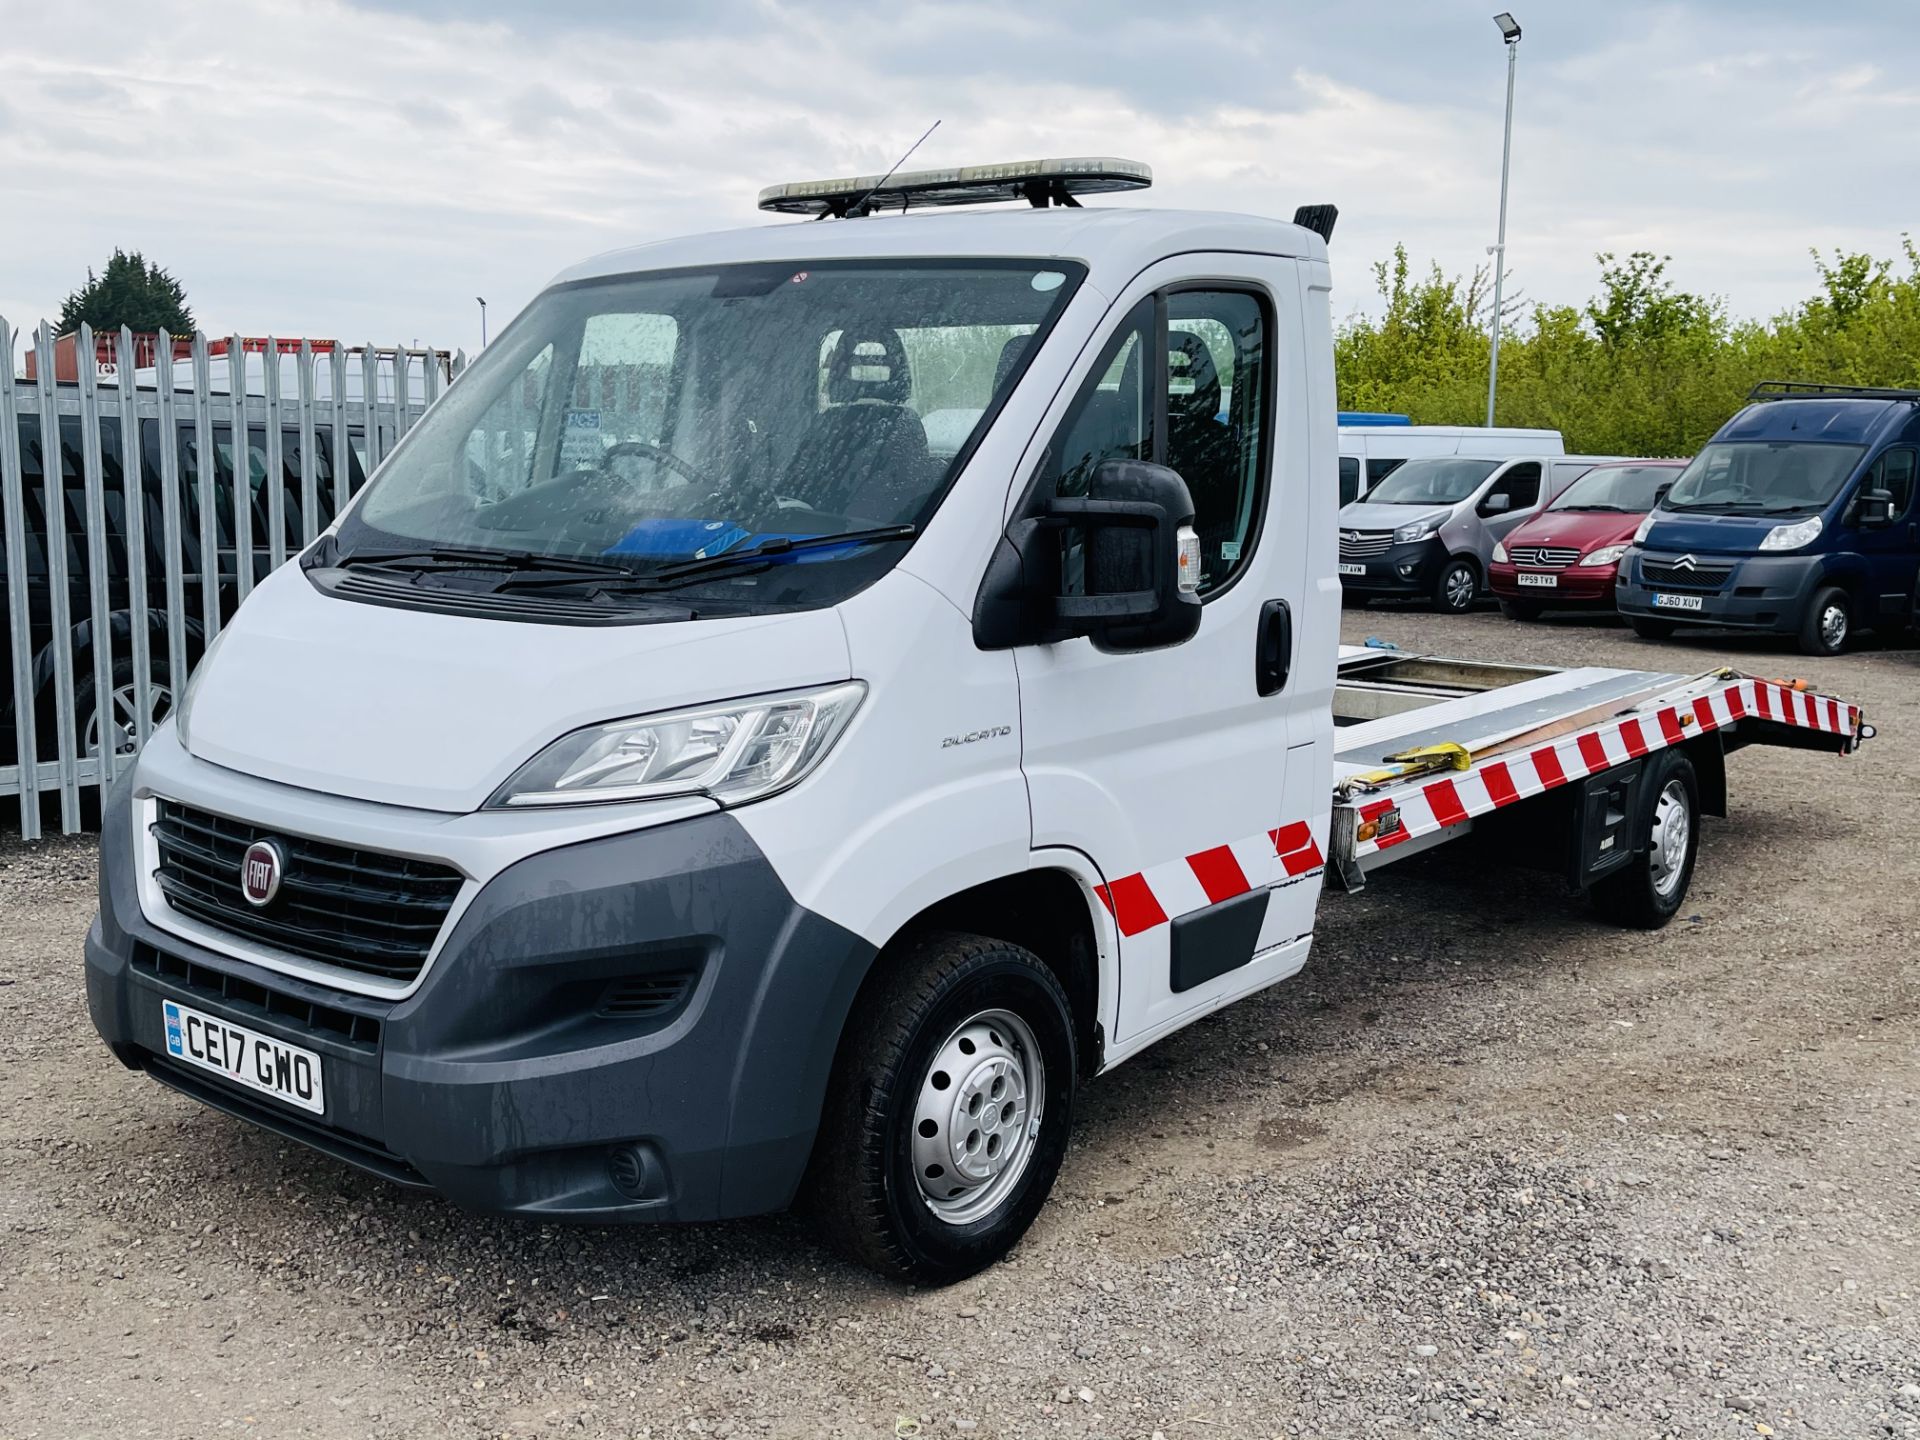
259, 1002
1543, 557
360, 910
1358, 544
1696, 576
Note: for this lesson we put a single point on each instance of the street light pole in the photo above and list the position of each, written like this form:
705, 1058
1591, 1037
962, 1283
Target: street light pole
483, 299
1510, 32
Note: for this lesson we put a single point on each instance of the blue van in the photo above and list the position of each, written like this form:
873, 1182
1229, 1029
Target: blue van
1797, 518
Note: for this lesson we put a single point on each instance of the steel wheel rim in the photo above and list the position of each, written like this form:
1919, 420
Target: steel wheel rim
1459, 587
1833, 625
1672, 829
976, 1120
124, 708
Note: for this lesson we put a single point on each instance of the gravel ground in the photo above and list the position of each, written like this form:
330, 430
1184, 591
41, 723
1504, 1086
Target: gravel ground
1484, 1167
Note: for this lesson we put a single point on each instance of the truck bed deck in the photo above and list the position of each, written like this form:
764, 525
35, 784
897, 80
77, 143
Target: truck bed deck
1425, 744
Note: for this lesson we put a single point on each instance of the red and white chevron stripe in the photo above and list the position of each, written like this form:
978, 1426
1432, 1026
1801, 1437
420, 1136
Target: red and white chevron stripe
1152, 897
1433, 804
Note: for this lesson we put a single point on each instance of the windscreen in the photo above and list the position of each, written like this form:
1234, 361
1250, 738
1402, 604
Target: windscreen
648, 421
1434, 480
1629, 489
1755, 477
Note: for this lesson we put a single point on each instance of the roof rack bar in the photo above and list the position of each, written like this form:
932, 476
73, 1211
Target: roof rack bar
1814, 389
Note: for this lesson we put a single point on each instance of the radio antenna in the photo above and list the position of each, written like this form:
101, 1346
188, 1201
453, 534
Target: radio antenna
859, 207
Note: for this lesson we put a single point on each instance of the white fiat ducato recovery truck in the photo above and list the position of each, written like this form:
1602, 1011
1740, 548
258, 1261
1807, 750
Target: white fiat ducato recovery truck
688, 781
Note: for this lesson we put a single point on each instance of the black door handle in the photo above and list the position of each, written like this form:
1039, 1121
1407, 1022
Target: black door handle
1273, 659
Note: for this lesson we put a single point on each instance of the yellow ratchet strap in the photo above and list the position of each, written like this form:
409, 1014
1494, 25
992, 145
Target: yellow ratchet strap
1426, 760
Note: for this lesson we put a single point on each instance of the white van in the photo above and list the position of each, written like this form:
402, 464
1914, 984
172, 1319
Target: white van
603, 848
1368, 453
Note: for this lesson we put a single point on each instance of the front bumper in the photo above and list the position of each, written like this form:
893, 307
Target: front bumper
1576, 585
505, 1080
1401, 570
1762, 592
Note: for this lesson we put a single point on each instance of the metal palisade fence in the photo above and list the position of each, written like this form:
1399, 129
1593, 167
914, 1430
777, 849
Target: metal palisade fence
145, 490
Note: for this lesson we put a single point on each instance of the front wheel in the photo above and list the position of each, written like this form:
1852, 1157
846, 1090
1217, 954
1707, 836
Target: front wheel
1650, 889
1456, 588
1828, 624
947, 1116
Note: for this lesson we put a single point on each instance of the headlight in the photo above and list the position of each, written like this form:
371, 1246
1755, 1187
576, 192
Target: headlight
1792, 537
734, 753
1605, 555
1500, 551
1418, 530
1645, 526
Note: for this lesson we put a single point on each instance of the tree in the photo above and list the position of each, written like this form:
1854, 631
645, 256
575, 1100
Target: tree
130, 292
1638, 302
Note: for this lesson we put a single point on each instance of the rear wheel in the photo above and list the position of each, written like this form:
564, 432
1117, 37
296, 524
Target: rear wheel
1650, 889
947, 1116
1520, 609
1648, 628
1828, 623
1456, 587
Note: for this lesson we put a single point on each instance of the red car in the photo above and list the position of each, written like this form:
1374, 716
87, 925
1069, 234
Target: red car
1565, 557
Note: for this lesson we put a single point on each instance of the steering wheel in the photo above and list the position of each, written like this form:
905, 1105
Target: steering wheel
660, 455
716, 495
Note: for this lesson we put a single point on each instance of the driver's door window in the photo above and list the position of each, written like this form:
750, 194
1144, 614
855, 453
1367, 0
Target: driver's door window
500, 448
616, 416
1520, 486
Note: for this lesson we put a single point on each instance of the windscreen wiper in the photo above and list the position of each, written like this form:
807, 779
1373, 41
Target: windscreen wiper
452, 557
668, 576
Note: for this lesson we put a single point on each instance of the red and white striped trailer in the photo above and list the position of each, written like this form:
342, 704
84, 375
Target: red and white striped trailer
1428, 749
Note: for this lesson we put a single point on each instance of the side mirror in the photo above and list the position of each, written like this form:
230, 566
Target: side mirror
1876, 508
1138, 558
1661, 494
1120, 565
1497, 503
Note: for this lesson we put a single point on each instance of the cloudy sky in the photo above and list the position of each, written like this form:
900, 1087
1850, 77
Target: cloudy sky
362, 171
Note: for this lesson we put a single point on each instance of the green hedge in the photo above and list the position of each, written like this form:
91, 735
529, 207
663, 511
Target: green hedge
1641, 369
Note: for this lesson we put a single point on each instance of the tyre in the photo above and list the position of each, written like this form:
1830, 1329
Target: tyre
121, 715
1520, 609
1352, 600
1651, 888
1648, 628
1828, 623
947, 1115
1456, 587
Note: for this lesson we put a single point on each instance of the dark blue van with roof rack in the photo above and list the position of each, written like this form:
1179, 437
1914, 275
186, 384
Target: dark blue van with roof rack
1797, 518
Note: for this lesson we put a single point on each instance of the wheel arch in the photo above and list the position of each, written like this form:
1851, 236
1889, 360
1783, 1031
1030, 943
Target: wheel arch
1048, 910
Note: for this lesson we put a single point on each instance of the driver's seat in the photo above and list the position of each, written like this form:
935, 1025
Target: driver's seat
865, 456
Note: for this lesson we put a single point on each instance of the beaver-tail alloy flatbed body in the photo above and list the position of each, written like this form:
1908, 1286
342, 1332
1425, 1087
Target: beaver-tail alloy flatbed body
1426, 747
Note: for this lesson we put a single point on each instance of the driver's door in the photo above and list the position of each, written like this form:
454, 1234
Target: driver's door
1518, 486
1193, 784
